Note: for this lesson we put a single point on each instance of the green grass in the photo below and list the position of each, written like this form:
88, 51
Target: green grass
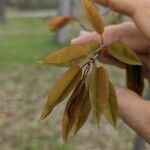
24, 42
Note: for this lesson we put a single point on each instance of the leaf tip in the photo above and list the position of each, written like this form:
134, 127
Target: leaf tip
41, 118
97, 119
44, 114
39, 121
98, 124
65, 139
114, 126
75, 132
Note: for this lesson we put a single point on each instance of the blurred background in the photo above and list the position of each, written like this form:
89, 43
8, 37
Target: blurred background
24, 84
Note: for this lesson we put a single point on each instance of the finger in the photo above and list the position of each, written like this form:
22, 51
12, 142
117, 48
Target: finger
130, 36
83, 33
110, 35
127, 7
127, 33
137, 9
141, 19
80, 40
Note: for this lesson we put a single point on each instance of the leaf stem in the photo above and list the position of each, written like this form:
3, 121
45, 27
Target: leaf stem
86, 71
99, 52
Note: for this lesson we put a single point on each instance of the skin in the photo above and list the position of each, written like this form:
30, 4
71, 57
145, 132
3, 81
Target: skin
133, 109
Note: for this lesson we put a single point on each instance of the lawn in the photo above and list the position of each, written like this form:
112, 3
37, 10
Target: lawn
24, 42
23, 88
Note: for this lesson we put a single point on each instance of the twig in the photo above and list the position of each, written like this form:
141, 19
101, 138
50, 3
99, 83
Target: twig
99, 52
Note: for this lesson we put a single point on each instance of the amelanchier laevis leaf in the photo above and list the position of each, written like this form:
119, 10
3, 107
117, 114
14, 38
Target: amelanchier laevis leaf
134, 78
63, 86
98, 91
111, 111
123, 54
85, 109
65, 56
92, 46
112, 60
73, 109
93, 16
59, 22
70, 55
84, 113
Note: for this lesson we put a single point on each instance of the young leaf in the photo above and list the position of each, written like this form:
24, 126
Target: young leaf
111, 111
113, 60
93, 16
123, 54
65, 56
73, 109
63, 86
98, 91
59, 22
85, 109
92, 46
134, 78
70, 55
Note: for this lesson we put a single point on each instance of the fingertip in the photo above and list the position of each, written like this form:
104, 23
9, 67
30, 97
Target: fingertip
83, 32
75, 41
72, 40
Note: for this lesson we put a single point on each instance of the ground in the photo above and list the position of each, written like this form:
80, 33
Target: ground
24, 85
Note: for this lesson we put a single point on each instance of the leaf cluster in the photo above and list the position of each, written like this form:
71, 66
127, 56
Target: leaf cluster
89, 84
85, 84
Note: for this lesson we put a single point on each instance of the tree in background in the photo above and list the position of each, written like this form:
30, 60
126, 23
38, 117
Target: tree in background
2, 11
65, 8
32, 4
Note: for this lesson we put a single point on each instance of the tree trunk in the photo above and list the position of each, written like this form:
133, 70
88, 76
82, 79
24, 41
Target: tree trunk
65, 8
2, 12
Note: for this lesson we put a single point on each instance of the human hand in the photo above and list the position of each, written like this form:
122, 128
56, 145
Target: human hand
128, 34
138, 10
125, 97
134, 111
135, 35
132, 108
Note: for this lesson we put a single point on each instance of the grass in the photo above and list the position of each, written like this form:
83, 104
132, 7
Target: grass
24, 42
24, 85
